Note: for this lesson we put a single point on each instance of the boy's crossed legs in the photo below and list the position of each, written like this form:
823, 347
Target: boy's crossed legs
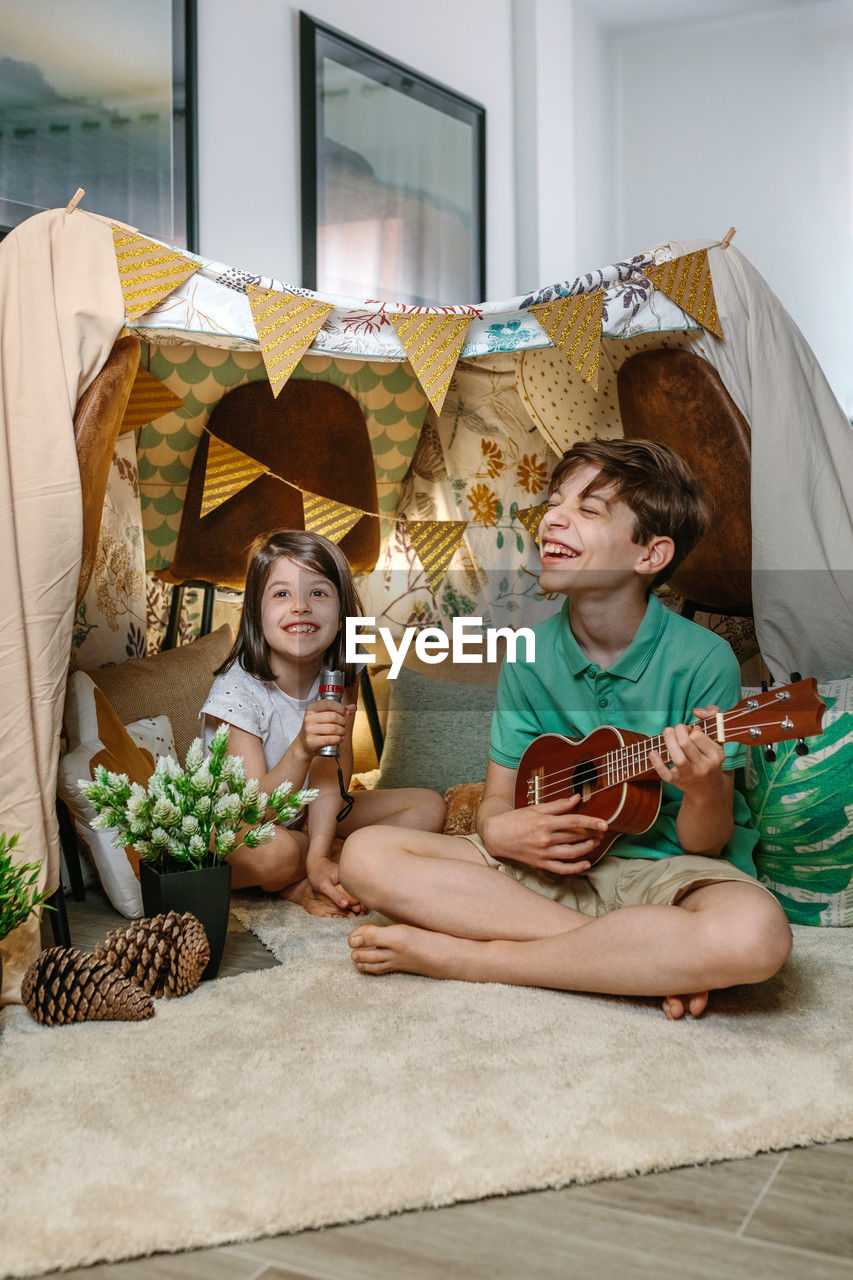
474, 923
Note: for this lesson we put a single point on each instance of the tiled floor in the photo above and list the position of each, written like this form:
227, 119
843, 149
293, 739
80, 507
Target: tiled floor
781, 1216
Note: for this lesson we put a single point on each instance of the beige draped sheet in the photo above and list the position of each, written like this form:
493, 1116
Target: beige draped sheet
62, 309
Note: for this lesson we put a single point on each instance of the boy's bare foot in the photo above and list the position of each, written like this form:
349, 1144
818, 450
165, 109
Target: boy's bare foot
675, 1007
402, 948
316, 904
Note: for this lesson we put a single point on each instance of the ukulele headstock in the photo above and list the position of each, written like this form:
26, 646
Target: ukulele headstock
793, 711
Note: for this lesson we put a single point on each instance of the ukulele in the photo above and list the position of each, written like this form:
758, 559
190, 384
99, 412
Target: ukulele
610, 768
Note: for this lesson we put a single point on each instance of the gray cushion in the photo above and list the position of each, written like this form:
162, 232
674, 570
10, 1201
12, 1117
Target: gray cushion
437, 732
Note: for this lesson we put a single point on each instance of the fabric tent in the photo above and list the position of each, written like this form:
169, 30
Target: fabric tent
63, 308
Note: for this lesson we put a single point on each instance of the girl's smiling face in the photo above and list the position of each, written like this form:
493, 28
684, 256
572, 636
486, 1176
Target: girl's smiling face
300, 614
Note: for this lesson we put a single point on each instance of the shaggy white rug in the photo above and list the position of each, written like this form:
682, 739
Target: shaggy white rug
309, 1094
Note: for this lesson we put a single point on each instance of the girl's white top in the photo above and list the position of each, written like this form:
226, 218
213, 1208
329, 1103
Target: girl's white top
260, 707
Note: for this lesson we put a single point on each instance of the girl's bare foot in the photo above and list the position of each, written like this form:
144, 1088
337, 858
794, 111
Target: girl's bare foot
675, 1007
405, 949
316, 904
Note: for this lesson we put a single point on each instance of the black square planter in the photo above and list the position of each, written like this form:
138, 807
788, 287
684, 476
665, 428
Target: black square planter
205, 892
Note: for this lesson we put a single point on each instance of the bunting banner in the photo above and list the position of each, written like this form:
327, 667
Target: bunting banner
227, 472
333, 520
432, 344
574, 326
147, 272
687, 280
149, 400
531, 517
435, 542
286, 324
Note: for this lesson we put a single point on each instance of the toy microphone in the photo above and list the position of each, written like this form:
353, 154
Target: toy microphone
331, 690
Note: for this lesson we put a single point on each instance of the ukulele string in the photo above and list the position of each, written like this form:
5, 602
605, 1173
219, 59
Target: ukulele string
556, 780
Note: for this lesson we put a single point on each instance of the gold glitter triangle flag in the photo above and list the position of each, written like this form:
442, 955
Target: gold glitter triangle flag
435, 542
687, 280
227, 472
325, 516
432, 344
149, 400
531, 517
287, 324
574, 326
148, 272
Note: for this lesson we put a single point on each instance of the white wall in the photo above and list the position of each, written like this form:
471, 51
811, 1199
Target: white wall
747, 121
248, 115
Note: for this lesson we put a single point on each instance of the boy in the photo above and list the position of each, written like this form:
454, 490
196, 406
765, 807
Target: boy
674, 912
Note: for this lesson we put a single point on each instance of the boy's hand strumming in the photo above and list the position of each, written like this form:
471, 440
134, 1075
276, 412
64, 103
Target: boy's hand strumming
549, 836
695, 760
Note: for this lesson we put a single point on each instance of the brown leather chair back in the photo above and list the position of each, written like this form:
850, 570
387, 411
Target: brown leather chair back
312, 434
97, 421
677, 398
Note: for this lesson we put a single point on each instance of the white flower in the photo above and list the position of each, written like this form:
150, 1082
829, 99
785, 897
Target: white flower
252, 790
195, 755
197, 846
202, 805
224, 840
202, 780
189, 825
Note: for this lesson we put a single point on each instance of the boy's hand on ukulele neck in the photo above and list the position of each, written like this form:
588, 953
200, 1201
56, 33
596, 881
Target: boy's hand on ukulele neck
695, 761
548, 836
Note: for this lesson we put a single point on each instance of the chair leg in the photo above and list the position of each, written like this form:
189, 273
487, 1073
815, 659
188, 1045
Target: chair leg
372, 713
71, 851
59, 919
207, 609
170, 639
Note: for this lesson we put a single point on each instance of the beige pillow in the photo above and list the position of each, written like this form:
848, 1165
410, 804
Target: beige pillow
174, 684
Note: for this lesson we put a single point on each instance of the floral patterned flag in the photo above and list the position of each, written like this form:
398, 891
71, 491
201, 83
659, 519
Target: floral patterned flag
432, 343
227, 472
148, 272
531, 517
286, 324
687, 280
435, 542
324, 516
149, 400
574, 326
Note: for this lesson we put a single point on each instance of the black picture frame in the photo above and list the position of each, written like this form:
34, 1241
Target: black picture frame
134, 165
338, 178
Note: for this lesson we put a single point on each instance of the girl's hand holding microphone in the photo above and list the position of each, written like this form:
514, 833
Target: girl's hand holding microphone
324, 725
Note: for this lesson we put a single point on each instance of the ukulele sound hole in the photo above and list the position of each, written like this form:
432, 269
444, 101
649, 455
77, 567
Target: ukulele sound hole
584, 779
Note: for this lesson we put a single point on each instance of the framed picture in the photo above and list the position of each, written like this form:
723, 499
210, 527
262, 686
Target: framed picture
393, 178
100, 96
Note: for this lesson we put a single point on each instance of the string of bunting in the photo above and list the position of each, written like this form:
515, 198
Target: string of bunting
229, 470
286, 324
147, 272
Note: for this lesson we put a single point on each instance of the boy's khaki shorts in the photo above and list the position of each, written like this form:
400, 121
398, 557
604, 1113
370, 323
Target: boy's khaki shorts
622, 882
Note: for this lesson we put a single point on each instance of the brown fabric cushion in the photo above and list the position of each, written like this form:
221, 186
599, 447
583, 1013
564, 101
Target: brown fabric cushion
678, 399
97, 420
175, 684
313, 435
462, 801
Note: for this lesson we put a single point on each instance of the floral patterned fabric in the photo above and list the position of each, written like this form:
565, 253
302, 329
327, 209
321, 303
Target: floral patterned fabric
110, 623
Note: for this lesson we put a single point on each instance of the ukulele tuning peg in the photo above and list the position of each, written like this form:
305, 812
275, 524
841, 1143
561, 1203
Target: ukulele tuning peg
802, 747
769, 755
795, 676
764, 686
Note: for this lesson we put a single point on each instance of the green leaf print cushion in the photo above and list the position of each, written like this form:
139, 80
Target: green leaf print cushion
803, 808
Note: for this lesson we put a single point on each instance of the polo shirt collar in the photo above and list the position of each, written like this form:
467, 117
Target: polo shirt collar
632, 663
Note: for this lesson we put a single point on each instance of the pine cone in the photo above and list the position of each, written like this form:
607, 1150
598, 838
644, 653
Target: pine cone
165, 955
66, 985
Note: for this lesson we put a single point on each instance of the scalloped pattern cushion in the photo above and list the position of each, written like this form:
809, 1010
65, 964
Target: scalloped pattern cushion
803, 808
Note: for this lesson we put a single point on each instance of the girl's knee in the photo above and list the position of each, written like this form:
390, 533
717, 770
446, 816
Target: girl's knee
360, 859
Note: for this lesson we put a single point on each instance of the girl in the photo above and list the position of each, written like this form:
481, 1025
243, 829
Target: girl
298, 592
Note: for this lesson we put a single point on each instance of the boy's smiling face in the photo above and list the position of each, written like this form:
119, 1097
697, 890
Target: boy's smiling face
587, 540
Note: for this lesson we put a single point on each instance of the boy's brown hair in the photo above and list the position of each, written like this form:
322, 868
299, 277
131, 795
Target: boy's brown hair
314, 552
651, 479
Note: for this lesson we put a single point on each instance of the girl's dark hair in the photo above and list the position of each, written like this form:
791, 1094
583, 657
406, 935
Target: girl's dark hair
312, 551
654, 481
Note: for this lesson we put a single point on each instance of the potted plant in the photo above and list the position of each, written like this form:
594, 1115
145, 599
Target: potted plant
19, 897
184, 826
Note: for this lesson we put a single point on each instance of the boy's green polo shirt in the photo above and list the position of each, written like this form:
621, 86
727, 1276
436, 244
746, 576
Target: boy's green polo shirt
671, 666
